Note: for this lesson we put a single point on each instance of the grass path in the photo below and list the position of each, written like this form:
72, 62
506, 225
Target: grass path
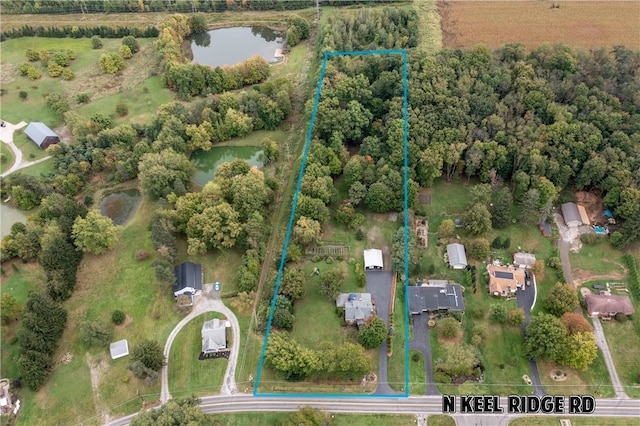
430, 38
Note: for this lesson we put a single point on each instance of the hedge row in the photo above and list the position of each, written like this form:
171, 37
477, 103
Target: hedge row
79, 32
634, 278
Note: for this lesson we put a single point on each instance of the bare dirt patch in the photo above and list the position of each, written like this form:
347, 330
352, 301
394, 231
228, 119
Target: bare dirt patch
580, 276
126, 322
97, 369
585, 24
8, 72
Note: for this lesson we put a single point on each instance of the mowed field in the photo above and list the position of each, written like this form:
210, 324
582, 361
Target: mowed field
584, 24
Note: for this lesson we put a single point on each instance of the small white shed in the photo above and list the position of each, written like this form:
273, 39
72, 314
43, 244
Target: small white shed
119, 349
373, 259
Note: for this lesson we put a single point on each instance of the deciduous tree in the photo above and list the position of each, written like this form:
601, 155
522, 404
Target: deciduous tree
477, 220
575, 323
330, 284
545, 338
372, 333
580, 350
95, 233
561, 299
458, 359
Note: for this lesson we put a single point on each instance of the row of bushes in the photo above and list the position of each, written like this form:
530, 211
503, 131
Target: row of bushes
634, 277
79, 32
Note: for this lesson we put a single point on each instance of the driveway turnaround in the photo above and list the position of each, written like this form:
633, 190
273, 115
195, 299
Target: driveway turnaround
206, 302
6, 136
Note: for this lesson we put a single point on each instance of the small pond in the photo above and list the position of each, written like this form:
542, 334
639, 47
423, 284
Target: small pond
230, 46
120, 206
207, 162
9, 214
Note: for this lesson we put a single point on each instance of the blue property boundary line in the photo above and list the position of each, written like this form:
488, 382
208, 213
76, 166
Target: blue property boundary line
327, 55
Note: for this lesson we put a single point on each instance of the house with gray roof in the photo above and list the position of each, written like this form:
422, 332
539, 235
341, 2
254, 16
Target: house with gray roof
457, 256
435, 296
214, 336
358, 307
41, 135
571, 215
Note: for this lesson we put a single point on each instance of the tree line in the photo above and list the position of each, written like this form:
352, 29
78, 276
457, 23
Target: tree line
79, 32
178, 6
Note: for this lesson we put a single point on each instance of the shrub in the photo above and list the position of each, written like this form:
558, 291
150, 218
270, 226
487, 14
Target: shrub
329, 260
122, 109
54, 68
440, 377
96, 43
591, 239
498, 313
359, 235
621, 317
131, 43
506, 243
362, 280
111, 63
415, 357
23, 95
67, 74
118, 317
497, 242
125, 52
32, 55
83, 98
449, 328
315, 258
478, 312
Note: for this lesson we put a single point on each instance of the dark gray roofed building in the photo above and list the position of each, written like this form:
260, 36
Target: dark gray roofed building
188, 279
571, 215
41, 135
433, 298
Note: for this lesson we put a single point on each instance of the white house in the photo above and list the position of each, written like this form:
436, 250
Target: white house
457, 256
373, 259
214, 336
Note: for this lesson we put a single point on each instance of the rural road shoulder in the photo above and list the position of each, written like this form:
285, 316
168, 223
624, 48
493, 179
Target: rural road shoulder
206, 302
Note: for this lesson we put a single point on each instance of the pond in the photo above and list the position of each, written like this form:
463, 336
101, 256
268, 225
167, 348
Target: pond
230, 46
120, 206
9, 215
207, 162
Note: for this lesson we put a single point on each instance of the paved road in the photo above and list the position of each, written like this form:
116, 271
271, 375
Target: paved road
208, 301
422, 343
421, 406
6, 136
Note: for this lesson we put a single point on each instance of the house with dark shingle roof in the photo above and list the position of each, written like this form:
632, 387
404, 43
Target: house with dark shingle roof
41, 135
188, 279
435, 296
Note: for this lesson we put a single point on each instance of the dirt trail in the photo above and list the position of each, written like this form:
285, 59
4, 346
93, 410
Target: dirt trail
97, 368
580, 276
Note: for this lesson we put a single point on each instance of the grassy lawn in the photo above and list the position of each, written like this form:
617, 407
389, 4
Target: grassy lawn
623, 340
417, 374
18, 281
187, 374
372, 419
255, 138
30, 150
594, 381
142, 100
291, 69
242, 419
597, 259
7, 157
440, 420
114, 280
43, 168
575, 421
430, 34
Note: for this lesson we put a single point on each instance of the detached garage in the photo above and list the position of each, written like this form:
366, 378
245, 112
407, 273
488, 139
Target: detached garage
373, 260
41, 135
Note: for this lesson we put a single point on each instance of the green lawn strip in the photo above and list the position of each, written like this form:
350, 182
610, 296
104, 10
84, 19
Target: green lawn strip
396, 363
417, 374
440, 420
188, 374
575, 421
44, 168
624, 341
256, 137
599, 259
291, 69
430, 34
250, 350
7, 157
30, 151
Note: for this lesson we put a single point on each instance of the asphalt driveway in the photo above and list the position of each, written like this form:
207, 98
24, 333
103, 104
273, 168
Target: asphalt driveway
422, 343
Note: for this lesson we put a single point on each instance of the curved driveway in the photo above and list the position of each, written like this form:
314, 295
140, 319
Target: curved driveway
208, 301
6, 136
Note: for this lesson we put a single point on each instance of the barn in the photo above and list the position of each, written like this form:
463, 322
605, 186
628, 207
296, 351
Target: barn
41, 135
571, 215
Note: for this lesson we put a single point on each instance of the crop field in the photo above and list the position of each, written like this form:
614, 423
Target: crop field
584, 24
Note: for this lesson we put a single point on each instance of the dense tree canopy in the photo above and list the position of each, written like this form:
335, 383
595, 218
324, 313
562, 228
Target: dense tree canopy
94, 233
